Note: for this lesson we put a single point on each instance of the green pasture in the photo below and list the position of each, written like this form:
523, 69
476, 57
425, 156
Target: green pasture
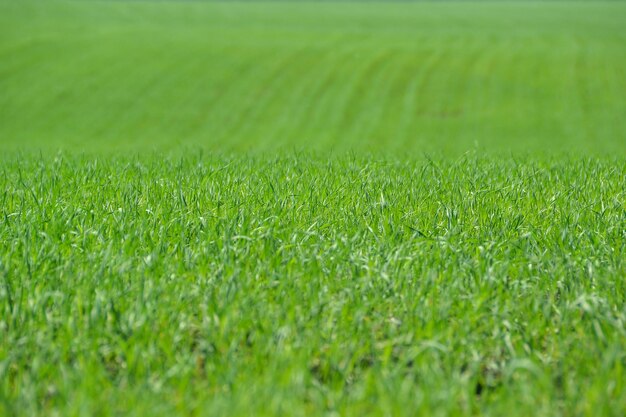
299, 286
312, 209
399, 77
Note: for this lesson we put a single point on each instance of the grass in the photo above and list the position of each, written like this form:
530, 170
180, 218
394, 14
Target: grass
449, 77
312, 209
300, 286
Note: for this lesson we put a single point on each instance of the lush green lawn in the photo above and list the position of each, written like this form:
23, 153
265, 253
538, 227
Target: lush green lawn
296, 286
312, 209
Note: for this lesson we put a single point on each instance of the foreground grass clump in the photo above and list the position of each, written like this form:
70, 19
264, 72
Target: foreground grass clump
300, 285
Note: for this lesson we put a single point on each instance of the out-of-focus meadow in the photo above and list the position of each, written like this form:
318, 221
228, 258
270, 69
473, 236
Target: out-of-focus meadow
398, 77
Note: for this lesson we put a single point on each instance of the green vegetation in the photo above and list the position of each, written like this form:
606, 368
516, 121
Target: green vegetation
312, 209
296, 286
138, 75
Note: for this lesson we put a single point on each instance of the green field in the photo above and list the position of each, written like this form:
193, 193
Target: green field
296, 209
422, 77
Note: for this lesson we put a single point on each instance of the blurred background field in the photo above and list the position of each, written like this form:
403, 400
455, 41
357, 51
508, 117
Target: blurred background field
110, 76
